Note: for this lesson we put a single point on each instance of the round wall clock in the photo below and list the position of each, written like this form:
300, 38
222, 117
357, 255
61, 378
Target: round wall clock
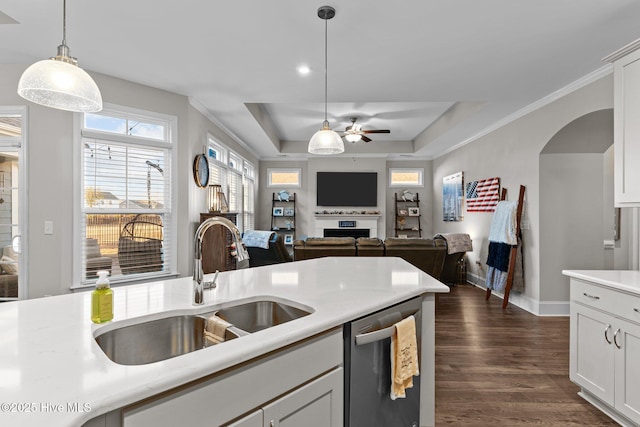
201, 170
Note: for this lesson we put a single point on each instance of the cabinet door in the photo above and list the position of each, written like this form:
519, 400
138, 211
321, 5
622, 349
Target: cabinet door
592, 356
317, 404
254, 419
628, 370
627, 130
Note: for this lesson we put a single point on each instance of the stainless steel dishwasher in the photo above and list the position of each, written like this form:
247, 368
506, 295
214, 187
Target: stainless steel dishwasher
368, 371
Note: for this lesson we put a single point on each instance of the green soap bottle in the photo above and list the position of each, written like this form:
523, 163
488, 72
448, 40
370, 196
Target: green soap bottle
102, 299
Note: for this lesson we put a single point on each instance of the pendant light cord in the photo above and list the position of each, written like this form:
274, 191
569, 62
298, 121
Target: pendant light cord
325, 69
64, 22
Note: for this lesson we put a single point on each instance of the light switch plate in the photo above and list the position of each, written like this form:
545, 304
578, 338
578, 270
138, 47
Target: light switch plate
48, 227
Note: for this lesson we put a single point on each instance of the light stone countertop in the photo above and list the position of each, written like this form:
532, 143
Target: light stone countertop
50, 360
622, 280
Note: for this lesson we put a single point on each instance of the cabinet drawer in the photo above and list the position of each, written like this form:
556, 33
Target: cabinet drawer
610, 300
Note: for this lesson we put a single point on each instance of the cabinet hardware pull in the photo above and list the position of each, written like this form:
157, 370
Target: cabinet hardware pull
615, 338
590, 296
606, 336
636, 310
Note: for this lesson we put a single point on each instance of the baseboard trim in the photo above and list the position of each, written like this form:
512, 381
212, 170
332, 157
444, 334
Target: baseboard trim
539, 308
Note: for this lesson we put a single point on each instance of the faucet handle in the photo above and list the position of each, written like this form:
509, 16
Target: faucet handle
212, 284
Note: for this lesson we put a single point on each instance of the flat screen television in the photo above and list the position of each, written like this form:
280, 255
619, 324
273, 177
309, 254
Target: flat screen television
347, 189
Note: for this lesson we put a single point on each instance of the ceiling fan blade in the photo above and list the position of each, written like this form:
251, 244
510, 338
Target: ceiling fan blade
376, 131
348, 128
365, 139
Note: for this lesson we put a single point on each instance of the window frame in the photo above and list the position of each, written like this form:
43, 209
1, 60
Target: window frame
170, 144
231, 163
271, 171
419, 171
20, 145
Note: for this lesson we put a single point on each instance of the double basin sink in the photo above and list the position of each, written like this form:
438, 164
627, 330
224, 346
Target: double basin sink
161, 339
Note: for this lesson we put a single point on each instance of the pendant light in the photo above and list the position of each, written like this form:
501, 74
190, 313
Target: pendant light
326, 141
59, 83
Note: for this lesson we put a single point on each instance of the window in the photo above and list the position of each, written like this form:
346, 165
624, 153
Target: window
236, 176
278, 177
126, 224
404, 177
249, 192
12, 260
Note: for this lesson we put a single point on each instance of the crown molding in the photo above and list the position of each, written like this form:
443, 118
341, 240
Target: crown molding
542, 102
203, 110
623, 51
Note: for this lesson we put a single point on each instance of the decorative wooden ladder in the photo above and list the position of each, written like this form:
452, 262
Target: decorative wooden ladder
514, 249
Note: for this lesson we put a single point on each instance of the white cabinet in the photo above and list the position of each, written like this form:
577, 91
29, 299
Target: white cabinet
301, 383
605, 349
626, 72
316, 404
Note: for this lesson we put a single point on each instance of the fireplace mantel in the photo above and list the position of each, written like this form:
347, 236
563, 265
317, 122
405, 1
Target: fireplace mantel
332, 221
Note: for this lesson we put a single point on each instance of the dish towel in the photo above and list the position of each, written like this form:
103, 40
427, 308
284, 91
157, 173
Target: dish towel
215, 330
404, 357
257, 238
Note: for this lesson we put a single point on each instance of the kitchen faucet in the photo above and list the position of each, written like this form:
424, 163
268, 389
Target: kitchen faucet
240, 253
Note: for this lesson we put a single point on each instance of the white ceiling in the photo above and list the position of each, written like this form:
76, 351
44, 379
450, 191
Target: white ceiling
436, 73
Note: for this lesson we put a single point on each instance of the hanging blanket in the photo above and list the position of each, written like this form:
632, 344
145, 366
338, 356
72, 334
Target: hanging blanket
504, 225
497, 272
457, 242
257, 238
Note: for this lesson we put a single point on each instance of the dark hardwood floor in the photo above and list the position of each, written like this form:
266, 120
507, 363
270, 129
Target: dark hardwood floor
507, 367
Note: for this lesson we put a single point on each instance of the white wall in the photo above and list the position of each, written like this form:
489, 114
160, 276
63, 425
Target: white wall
49, 162
512, 153
306, 195
571, 219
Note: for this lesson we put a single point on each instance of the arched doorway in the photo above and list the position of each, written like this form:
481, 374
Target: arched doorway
577, 212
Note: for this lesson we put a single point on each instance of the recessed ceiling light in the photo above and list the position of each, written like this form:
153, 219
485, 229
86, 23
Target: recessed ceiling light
303, 70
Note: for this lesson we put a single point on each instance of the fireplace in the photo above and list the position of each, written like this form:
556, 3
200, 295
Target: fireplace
346, 225
346, 232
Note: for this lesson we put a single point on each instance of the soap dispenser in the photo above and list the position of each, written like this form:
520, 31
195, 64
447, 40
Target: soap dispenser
102, 299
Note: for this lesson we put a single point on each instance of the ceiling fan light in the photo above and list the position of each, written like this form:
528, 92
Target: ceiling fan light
353, 137
326, 142
59, 84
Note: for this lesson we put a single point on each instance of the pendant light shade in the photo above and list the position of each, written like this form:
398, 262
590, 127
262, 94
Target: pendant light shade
325, 141
59, 82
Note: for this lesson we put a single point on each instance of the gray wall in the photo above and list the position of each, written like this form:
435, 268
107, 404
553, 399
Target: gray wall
49, 162
306, 196
512, 153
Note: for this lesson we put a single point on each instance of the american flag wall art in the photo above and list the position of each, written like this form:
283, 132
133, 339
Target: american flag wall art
483, 195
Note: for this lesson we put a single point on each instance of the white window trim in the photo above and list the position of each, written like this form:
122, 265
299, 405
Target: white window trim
172, 121
228, 153
21, 143
420, 172
270, 171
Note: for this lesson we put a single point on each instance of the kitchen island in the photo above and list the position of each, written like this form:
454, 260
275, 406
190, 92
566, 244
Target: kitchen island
52, 372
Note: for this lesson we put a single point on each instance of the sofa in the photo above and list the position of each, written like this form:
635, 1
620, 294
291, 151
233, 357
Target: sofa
426, 254
457, 245
318, 247
275, 254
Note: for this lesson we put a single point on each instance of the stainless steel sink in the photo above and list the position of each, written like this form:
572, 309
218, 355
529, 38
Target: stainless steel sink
162, 339
258, 315
156, 340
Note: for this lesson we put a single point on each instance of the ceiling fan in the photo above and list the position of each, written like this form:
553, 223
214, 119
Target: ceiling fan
355, 132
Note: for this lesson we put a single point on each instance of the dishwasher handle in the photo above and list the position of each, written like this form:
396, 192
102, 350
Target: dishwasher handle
379, 335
